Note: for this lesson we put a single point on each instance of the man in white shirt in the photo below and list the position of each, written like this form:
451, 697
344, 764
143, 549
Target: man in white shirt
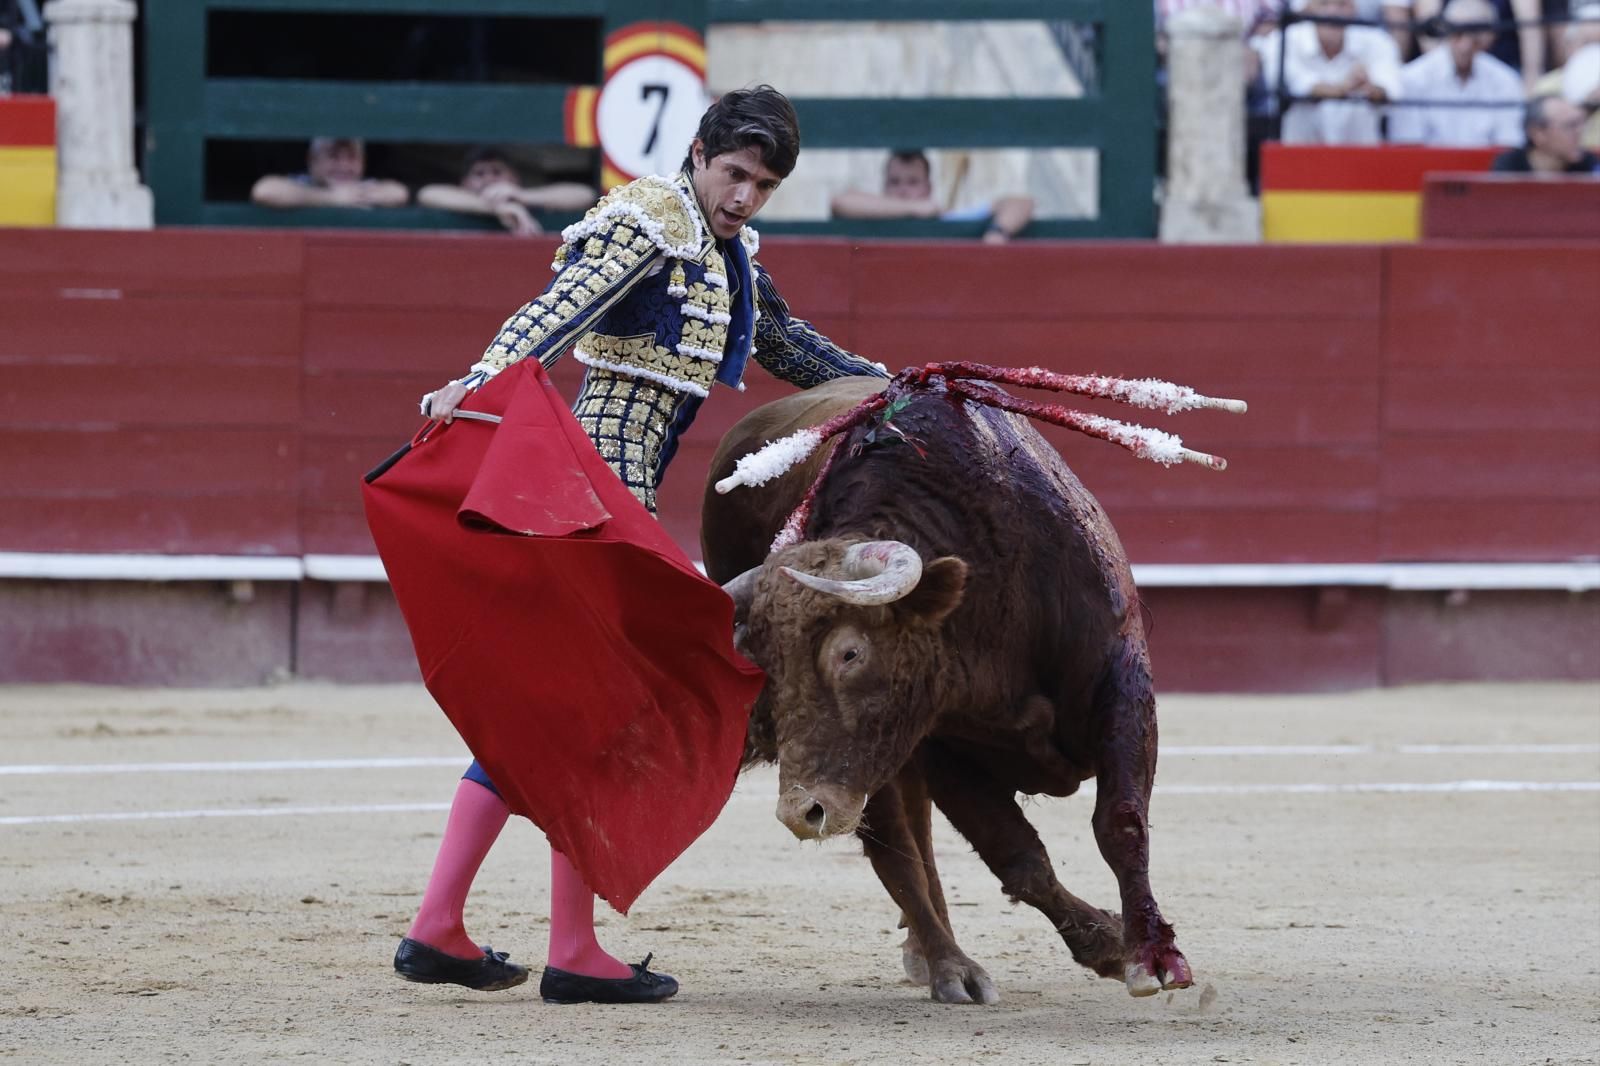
1340, 74
1456, 76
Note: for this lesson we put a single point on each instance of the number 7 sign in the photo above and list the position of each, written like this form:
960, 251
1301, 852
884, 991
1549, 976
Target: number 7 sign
646, 112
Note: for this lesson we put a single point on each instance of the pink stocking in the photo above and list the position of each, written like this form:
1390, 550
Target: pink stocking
572, 942
476, 818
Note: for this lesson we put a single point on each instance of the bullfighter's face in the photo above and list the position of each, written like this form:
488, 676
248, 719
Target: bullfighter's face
731, 187
853, 687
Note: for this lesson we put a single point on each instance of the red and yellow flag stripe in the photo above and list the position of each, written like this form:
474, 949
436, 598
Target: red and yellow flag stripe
27, 161
1339, 193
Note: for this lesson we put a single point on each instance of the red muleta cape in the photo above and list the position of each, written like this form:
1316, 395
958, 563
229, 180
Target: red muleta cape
584, 660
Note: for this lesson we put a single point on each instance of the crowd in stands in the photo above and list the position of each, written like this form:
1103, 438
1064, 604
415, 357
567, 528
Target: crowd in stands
335, 176
1441, 73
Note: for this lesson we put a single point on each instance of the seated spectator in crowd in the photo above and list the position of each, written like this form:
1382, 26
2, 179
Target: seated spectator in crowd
335, 177
1339, 74
1458, 75
1578, 78
908, 193
1520, 47
1553, 126
491, 186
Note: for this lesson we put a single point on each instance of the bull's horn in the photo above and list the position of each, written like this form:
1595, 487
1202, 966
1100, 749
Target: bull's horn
882, 571
741, 590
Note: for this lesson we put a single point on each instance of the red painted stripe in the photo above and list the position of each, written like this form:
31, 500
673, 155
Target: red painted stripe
27, 121
1387, 168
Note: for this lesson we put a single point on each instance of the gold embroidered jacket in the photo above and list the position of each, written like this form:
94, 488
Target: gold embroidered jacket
658, 309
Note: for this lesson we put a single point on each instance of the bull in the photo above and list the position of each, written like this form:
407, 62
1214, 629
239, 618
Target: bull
957, 624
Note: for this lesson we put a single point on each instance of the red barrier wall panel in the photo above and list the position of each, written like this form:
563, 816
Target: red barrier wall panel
1471, 466
140, 633
1511, 308
95, 395
1242, 535
814, 277
253, 264
1406, 402
1271, 641
1510, 636
487, 273
1491, 401
169, 330
1475, 530
162, 524
1054, 281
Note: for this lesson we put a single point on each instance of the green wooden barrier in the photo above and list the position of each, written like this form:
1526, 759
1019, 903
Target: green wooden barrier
185, 108
1118, 121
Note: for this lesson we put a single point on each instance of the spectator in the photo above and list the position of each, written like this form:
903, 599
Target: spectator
1458, 75
1520, 47
1337, 73
334, 177
492, 186
1578, 78
908, 193
1553, 126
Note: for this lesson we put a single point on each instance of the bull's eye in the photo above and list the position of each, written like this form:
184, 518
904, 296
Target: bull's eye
850, 655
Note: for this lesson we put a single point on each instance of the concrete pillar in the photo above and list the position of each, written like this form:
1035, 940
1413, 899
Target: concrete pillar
92, 81
1207, 199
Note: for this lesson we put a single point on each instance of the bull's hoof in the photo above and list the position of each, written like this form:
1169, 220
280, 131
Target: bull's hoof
960, 980
914, 961
1161, 969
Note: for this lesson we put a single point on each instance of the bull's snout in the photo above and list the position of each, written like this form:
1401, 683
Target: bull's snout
820, 811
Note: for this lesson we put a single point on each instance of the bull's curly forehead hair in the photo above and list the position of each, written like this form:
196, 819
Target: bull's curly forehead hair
762, 118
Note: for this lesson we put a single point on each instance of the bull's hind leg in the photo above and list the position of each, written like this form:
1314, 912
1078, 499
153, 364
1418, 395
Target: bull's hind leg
1126, 757
985, 811
891, 845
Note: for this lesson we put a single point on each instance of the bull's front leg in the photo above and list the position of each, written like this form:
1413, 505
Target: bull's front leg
892, 846
918, 810
985, 811
1126, 757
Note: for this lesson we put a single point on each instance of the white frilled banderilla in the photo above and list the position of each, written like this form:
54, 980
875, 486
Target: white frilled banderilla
975, 382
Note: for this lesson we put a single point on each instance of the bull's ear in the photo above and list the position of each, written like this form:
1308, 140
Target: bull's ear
944, 580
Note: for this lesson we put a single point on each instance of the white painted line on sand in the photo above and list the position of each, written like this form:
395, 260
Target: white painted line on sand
412, 762
1500, 749
222, 812
1378, 786
1267, 749
237, 767
764, 797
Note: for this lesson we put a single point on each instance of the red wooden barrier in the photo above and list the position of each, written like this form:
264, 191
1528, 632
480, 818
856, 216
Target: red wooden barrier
193, 391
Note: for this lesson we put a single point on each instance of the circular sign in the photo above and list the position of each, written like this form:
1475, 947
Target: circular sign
648, 112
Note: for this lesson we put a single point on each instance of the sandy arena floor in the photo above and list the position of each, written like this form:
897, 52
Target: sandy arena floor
1409, 889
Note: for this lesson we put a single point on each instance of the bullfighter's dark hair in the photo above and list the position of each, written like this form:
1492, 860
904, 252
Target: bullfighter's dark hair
762, 118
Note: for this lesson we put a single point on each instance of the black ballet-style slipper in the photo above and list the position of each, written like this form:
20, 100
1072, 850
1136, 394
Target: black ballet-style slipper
559, 986
490, 972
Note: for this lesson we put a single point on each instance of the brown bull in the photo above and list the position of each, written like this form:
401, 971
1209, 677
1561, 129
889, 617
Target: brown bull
959, 624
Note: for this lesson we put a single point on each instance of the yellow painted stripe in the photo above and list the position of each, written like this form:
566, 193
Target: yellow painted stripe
1337, 217
583, 114
692, 53
675, 45
27, 186
611, 177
